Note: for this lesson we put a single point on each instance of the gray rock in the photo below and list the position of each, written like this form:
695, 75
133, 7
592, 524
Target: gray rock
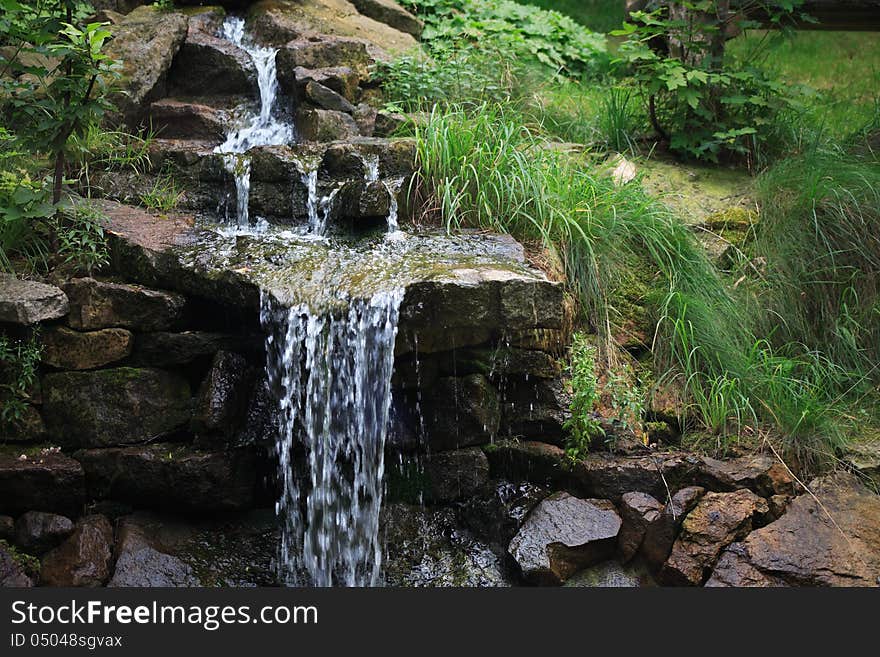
145, 44
718, 520
37, 532
48, 482
341, 79
29, 302
326, 98
84, 559
806, 547
140, 562
74, 350
536, 409
116, 406
390, 13
325, 125
173, 477
455, 475
496, 512
326, 52
210, 66
98, 304
563, 535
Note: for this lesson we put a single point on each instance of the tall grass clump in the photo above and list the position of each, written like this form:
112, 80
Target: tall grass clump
484, 168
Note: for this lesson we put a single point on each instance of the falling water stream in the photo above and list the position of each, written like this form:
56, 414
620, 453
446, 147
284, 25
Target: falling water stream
257, 129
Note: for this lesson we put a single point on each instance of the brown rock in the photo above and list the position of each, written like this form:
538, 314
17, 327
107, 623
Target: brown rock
325, 125
661, 533
718, 520
177, 119
761, 473
563, 535
73, 350
806, 547
390, 13
637, 511
97, 304
83, 559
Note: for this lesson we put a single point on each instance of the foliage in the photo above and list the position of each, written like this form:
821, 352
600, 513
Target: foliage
599, 15
583, 425
706, 105
24, 201
81, 239
19, 360
163, 195
528, 33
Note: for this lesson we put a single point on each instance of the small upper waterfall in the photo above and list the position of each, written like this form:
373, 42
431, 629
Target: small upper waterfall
332, 372
258, 129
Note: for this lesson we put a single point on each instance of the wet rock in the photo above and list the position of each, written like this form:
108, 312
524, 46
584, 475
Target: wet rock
428, 548
551, 341
7, 528
805, 547
12, 573
637, 511
145, 44
325, 125
37, 532
536, 409
496, 512
341, 79
164, 349
223, 398
29, 302
84, 559
612, 475
563, 535
326, 98
210, 66
279, 21
718, 520
397, 157
342, 162
524, 460
610, 574
98, 304
390, 13
763, 474
142, 563
661, 533
48, 482
116, 406
178, 119
170, 476
461, 412
455, 475
74, 350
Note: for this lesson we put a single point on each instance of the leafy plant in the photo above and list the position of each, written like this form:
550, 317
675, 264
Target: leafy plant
81, 238
24, 202
163, 196
583, 424
19, 360
703, 104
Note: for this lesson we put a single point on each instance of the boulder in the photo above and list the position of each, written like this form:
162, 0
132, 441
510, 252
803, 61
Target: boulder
74, 350
637, 511
145, 44
325, 52
84, 559
12, 572
341, 79
279, 21
718, 520
29, 302
342, 162
390, 13
832, 543
48, 482
223, 398
496, 512
326, 98
563, 535
325, 125
455, 475
116, 406
612, 475
761, 473
210, 66
179, 119
98, 304
170, 476
660, 534
37, 532
165, 349
141, 562
460, 412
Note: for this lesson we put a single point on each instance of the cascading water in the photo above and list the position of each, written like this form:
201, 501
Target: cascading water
259, 129
332, 372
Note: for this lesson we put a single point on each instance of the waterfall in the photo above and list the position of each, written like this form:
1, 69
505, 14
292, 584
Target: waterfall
333, 374
310, 180
258, 129
371, 175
